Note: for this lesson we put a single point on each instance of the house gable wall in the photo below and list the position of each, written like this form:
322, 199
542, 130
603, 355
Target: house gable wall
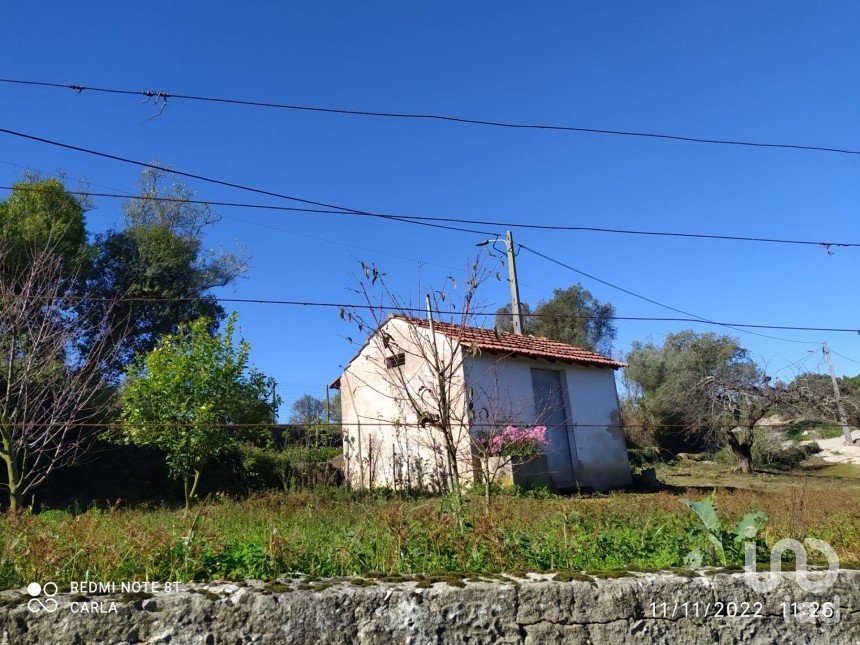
384, 443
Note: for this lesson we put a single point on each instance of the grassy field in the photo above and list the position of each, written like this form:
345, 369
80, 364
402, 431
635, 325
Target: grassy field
331, 533
814, 474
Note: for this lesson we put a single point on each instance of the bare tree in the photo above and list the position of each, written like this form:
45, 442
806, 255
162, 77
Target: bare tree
418, 366
815, 397
51, 382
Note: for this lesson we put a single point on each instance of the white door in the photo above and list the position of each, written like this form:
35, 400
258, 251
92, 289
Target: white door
550, 411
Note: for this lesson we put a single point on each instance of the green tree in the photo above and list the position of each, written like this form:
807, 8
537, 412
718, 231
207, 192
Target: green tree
184, 396
850, 385
160, 254
571, 316
663, 375
706, 386
310, 414
40, 216
308, 410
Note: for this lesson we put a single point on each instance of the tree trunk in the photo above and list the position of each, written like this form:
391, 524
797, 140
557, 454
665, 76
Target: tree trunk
13, 475
742, 451
488, 485
191, 487
13, 482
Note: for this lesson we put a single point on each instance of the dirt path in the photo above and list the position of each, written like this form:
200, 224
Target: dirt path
835, 451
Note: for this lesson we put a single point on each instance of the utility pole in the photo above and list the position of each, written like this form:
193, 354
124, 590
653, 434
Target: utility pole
843, 418
429, 312
274, 383
516, 309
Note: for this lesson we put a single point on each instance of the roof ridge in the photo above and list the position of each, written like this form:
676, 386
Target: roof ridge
491, 339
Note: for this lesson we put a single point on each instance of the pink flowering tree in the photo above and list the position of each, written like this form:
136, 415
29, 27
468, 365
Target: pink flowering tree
499, 447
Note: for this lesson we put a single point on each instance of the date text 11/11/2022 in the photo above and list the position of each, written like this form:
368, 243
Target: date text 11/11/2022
800, 611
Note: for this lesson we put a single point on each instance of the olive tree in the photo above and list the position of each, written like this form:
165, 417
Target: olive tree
706, 386
571, 316
195, 397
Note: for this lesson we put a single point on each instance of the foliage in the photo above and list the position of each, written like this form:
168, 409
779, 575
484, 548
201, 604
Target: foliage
40, 215
850, 386
647, 457
335, 532
812, 429
308, 410
725, 546
664, 375
819, 402
704, 386
571, 316
184, 396
290, 467
770, 451
160, 254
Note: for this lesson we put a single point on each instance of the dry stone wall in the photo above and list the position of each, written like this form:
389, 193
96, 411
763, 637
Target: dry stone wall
566, 608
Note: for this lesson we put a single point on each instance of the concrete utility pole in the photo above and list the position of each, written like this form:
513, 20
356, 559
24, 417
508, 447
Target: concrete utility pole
843, 418
516, 309
429, 312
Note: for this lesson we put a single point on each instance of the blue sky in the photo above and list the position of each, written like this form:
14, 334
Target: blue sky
769, 71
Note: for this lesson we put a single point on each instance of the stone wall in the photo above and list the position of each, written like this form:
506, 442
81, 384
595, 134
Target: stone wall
571, 608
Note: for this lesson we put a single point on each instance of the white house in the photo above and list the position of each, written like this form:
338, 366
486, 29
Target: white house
406, 377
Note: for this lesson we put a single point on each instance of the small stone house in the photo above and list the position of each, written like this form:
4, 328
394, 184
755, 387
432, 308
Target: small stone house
411, 370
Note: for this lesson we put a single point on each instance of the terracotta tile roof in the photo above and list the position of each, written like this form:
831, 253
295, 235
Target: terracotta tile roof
531, 346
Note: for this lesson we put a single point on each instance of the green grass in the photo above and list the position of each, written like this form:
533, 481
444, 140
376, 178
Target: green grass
331, 532
849, 471
810, 429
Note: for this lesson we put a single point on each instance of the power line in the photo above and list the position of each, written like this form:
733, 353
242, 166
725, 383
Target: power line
358, 212
845, 357
230, 184
417, 310
236, 219
333, 424
656, 302
163, 97
244, 221
802, 359
410, 218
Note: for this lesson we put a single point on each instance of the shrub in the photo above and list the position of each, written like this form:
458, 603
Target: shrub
813, 429
647, 457
291, 467
770, 451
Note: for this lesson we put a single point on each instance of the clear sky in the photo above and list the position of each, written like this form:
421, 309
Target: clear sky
769, 71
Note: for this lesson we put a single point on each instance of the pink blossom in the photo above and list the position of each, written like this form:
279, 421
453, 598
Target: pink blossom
512, 440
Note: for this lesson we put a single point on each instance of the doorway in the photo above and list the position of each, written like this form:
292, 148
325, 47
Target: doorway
551, 411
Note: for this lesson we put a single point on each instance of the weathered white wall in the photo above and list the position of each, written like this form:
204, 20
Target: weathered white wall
383, 444
503, 387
